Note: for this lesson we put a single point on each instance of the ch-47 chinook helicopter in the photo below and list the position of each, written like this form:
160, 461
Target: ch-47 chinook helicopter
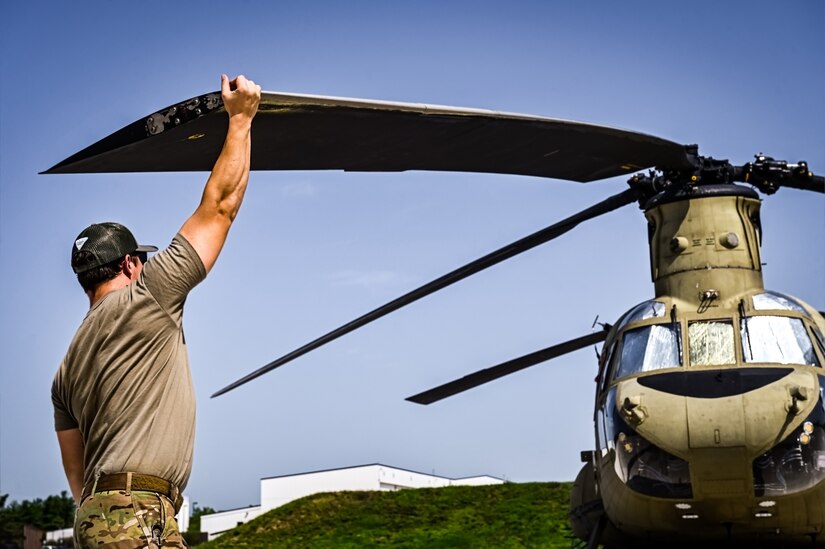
710, 398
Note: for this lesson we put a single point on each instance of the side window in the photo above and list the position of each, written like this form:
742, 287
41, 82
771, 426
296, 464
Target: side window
819, 339
601, 434
605, 366
711, 343
649, 348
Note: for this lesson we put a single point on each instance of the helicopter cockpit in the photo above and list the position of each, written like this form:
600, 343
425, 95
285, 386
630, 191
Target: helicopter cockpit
776, 329
720, 358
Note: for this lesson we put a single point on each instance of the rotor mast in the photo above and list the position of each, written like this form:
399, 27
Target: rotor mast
704, 231
705, 249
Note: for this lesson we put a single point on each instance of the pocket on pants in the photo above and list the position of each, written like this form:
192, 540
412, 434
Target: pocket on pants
157, 512
108, 520
149, 512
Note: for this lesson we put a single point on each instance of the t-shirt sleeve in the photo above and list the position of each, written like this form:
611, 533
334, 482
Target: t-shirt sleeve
170, 274
63, 419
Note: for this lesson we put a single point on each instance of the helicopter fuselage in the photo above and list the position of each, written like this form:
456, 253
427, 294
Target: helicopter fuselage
710, 401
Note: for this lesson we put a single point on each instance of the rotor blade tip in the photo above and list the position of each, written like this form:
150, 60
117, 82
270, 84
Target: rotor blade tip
220, 392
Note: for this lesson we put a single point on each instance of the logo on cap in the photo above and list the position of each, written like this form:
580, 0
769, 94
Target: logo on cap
80, 242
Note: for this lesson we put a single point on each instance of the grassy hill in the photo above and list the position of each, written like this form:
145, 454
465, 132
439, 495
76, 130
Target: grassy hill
507, 515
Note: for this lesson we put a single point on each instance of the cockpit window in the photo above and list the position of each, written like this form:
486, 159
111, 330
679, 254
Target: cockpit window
711, 343
777, 339
819, 339
649, 348
643, 311
776, 301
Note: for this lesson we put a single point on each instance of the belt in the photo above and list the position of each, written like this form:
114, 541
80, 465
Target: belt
135, 481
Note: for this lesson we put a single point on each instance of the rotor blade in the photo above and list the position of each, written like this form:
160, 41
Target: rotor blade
549, 233
506, 368
814, 183
305, 132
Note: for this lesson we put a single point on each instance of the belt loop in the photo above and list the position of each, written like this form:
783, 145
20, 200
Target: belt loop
174, 494
128, 484
94, 486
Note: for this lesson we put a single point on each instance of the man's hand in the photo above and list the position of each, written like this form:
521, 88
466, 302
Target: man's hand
240, 96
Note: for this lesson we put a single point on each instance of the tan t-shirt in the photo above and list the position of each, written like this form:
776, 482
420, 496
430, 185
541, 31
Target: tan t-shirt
125, 380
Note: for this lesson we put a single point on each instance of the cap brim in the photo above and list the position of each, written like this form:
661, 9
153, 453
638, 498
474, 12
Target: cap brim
144, 248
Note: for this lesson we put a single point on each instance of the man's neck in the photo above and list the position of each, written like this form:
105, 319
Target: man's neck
120, 281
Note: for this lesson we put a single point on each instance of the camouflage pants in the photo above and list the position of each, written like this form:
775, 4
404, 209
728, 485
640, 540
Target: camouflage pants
115, 520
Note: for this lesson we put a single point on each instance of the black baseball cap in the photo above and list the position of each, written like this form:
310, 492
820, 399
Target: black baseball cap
106, 242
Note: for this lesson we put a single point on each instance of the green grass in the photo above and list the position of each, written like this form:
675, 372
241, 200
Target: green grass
500, 516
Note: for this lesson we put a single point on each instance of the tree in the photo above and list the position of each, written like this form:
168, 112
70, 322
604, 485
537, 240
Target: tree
193, 534
53, 513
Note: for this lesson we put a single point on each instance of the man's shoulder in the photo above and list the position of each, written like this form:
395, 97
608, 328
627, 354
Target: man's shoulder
172, 273
179, 255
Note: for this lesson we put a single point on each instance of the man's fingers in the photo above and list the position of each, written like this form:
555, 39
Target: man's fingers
239, 83
240, 95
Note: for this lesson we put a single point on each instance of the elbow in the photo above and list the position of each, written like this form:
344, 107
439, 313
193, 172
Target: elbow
227, 215
228, 209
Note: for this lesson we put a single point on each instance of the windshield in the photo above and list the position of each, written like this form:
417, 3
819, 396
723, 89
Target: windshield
711, 343
649, 348
777, 339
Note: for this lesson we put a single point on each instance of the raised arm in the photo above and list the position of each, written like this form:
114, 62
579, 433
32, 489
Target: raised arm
207, 228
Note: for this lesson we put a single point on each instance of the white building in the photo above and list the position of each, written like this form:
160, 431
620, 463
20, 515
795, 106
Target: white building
183, 515
217, 523
278, 491
57, 536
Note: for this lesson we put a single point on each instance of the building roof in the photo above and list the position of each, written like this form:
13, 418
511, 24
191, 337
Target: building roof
378, 465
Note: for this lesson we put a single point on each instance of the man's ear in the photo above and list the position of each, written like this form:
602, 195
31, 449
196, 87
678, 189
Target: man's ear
128, 266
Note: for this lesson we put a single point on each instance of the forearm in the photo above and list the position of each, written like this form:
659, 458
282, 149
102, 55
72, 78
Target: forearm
227, 183
71, 451
75, 477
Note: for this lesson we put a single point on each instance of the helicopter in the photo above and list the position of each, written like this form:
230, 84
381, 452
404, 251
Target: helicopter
709, 408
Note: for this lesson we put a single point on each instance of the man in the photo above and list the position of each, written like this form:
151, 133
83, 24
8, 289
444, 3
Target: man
123, 397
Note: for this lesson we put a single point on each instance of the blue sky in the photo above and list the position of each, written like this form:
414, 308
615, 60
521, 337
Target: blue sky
312, 250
